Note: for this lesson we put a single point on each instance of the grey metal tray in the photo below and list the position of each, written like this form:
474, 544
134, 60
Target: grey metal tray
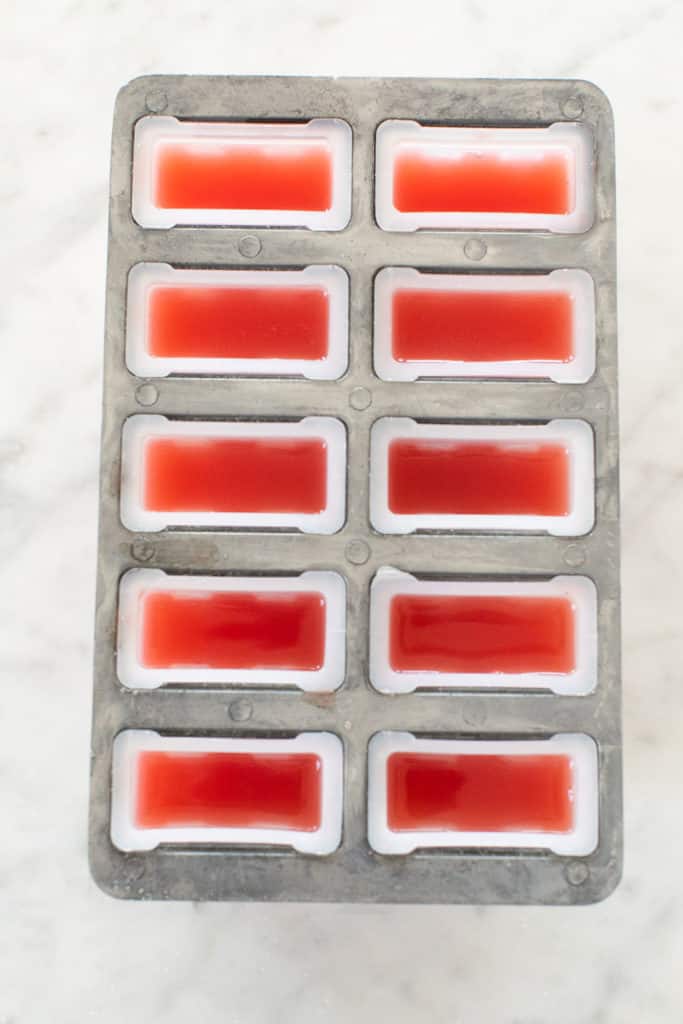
355, 712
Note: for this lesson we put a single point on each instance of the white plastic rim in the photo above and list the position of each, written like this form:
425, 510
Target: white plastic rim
137, 584
579, 590
138, 429
573, 140
126, 835
154, 132
144, 278
580, 841
575, 435
576, 283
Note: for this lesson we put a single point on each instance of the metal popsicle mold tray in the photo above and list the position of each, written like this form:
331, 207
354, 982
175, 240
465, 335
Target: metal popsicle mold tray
224, 713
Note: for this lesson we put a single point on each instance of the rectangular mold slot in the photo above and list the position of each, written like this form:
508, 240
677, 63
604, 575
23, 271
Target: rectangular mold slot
504, 477
510, 794
484, 178
270, 323
242, 173
484, 325
253, 630
267, 475
191, 790
482, 634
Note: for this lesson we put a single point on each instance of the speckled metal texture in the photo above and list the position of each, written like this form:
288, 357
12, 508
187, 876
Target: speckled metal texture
355, 712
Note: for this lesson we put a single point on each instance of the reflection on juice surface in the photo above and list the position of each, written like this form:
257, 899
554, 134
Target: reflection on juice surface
479, 792
244, 176
238, 629
235, 474
481, 182
492, 633
238, 323
482, 326
478, 478
224, 790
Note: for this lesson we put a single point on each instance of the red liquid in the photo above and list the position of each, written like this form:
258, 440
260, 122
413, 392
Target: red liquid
449, 633
238, 323
478, 478
481, 183
233, 630
244, 176
479, 792
235, 475
228, 790
482, 326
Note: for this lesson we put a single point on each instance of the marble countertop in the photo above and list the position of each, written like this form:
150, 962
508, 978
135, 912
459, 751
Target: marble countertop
67, 952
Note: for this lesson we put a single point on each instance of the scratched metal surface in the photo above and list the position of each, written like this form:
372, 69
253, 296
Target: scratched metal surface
355, 712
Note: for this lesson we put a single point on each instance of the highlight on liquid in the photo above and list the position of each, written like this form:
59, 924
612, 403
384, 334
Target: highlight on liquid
244, 176
225, 791
456, 177
474, 182
506, 634
239, 323
497, 793
484, 325
256, 323
471, 476
234, 473
239, 630
242, 173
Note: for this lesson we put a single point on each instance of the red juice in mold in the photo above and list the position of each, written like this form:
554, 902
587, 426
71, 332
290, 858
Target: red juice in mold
244, 176
473, 634
233, 629
228, 790
235, 474
482, 326
238, 323
433, 477
479, 792
481, 182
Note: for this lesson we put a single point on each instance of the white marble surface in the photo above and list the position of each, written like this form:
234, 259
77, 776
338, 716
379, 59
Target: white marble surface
68, 953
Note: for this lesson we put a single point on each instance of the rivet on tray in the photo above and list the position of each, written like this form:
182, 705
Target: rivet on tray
574, 556
475, 249
573, 107
249, 246
577, 872
357, 552
156, 101
146, 394
240, 710
360, 398
142, 550
572, 402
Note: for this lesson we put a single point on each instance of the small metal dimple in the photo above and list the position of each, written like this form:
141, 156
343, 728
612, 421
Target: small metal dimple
574, 556
357, 552
573, 107
241, 710
249, 246
360, 398
572, 402
142, 550
475, 249
146, 394
156, 101
577, 872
